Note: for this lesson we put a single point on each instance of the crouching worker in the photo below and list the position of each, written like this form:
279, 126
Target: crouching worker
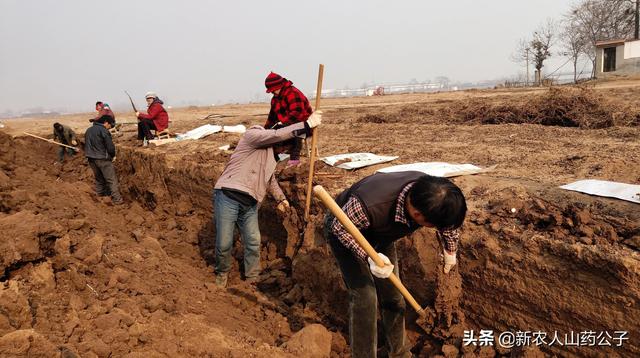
100, 152
386, 207
288, 105
65, 135
237, 194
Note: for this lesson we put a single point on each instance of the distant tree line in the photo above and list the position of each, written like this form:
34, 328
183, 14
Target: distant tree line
574, 36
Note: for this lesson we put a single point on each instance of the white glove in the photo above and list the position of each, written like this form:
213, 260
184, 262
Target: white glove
113, 160
73, 142
381, 272
283, 206
315, 119
449, 261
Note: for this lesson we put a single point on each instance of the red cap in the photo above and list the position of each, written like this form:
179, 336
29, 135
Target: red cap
274, 82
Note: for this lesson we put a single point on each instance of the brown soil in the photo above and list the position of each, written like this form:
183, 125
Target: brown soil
82, 277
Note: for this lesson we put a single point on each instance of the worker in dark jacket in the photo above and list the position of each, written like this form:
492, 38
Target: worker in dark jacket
156, 117
100, 152
288, 106
385, 207
65, 135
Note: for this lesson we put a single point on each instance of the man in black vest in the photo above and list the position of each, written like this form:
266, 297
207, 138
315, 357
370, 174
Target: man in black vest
386, 207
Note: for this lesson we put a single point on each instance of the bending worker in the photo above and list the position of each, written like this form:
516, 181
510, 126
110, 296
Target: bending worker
385, 207
242, 186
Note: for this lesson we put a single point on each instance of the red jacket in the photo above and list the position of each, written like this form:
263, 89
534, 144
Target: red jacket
158, 115
289, 107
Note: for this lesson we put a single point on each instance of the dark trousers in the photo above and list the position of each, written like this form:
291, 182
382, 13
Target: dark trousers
106, 180
144, 129
61, 152
295, 151
366, 294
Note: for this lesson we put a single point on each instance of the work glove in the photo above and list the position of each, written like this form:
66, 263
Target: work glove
381, 272
283, 206
449, 261
315, 119
73, 142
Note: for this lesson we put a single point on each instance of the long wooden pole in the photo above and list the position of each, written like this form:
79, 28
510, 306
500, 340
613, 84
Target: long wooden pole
328, 201
314, 143
50, 141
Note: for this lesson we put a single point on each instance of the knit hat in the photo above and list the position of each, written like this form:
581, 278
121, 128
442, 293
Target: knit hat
150, 95
274, 82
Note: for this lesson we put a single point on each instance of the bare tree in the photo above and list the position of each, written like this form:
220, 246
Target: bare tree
521, 55
443, 81
597, 20
573, 44
537, 49
541, 44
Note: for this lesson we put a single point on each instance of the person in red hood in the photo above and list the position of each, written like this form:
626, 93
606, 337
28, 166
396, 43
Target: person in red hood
103, 109
156, 117
288, 106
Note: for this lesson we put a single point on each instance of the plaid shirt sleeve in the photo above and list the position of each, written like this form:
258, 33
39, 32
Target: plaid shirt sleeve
355, 211
449, 238
298, 108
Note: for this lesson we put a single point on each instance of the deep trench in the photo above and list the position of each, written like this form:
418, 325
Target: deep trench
535, 270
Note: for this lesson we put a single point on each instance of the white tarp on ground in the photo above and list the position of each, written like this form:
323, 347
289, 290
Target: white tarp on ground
201, 132
610, 189
437, 169
356, 160
208, 129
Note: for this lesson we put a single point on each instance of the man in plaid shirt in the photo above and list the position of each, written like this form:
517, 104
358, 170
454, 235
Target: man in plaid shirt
386, 207
288, 106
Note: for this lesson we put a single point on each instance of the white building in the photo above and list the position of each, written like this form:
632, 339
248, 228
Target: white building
617, 57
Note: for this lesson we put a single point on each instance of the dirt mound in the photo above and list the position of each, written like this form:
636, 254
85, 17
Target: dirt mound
565, 107
559, 106
83, 278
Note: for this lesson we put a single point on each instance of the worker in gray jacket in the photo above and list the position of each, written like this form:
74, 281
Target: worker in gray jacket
65, 135
100, 152
237, 194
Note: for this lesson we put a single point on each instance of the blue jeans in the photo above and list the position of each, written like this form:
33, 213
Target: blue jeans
228, 214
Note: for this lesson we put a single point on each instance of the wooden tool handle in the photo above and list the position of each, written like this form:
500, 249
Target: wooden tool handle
314, 141
328, 201
50, 141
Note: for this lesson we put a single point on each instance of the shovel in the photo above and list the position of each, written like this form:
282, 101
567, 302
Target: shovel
425, 316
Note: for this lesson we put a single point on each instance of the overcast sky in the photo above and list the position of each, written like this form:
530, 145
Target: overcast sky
66, 54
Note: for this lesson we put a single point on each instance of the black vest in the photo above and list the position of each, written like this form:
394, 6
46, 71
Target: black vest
378, 194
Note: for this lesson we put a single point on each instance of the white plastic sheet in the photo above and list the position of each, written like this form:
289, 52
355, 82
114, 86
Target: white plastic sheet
209, 129
200, 132
356, 160
438, 169
610, 189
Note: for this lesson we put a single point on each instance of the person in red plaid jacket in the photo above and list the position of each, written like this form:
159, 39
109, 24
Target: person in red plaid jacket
288, 106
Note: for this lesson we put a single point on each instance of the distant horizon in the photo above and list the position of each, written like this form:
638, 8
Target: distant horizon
188, 103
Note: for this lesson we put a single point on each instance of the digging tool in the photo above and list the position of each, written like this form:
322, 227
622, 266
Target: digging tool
314, 141
328, 201
130, 99
51, 141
